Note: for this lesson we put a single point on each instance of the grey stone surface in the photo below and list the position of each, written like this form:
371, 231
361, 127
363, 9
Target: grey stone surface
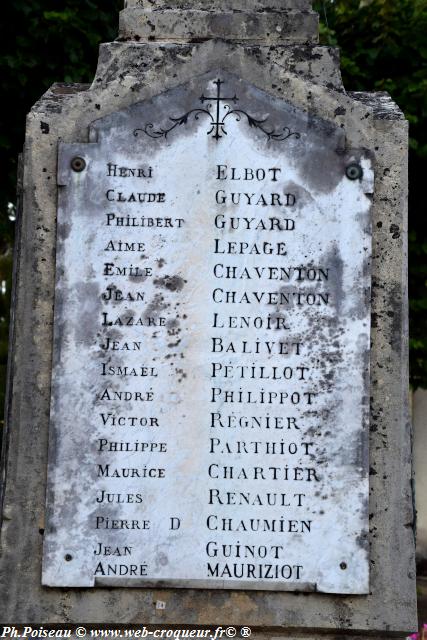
319, 65
220, 5
273, 27
271, 22
370, 121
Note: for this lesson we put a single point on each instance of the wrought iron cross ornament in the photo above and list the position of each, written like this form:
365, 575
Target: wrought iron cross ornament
218, 125
217, 121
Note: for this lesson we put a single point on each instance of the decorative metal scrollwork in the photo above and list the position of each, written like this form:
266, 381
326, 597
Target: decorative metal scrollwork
217, 119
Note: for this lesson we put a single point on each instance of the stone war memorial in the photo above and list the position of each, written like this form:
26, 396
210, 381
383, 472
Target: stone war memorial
207, 417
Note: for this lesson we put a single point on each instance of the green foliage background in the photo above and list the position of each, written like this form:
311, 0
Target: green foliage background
384, 48
41, 42
383, 45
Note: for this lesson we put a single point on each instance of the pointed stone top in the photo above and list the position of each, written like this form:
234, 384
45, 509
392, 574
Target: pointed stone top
283, 22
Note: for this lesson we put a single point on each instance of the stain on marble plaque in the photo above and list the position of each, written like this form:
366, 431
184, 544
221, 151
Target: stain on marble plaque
209, 414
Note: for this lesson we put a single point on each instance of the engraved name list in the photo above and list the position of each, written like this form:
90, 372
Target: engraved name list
209, 392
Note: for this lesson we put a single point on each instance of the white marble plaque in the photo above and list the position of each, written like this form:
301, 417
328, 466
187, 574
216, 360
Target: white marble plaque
210, 387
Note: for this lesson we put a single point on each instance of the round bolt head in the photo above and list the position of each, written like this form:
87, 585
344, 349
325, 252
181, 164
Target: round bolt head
78, 164
354, 171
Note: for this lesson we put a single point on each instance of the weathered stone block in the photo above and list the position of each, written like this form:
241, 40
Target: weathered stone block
306, 79
220, 5
282, 27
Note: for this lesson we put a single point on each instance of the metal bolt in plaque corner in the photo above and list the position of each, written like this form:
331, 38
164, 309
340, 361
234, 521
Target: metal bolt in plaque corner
209, 411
